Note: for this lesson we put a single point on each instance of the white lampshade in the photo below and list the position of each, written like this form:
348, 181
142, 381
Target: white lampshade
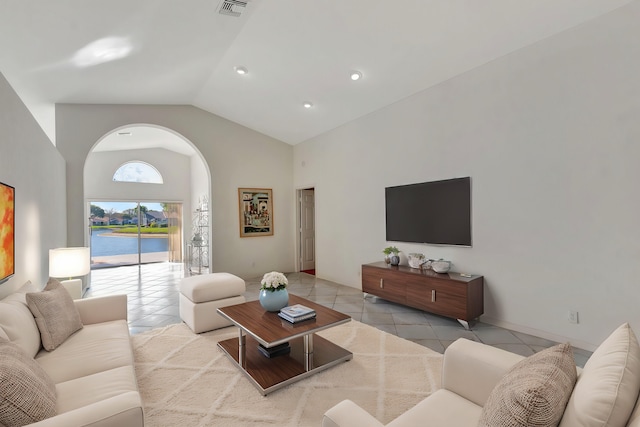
69, 262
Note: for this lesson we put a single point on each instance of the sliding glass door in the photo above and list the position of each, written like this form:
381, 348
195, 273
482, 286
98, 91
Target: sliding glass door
131, 233
170, 228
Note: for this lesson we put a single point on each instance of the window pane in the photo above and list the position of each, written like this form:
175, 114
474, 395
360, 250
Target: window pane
138, 172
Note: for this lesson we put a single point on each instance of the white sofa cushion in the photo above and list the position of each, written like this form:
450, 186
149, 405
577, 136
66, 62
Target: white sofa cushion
55, 313
634, 420
534, 392
94, 348
27, 394
18, 324
442, 409
608, 386
87, 390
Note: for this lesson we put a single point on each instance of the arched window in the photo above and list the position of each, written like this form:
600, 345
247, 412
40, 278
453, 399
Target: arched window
137, 171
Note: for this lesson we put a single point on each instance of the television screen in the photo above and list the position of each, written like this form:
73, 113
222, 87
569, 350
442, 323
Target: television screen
437, 212
7, 227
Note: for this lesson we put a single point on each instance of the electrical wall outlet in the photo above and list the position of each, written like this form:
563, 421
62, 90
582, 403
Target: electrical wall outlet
572, 317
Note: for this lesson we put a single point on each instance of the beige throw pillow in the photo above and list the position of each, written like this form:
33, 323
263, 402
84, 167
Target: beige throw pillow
608, 387
534, 392
18, 324
17, 321
27, 394
56, 315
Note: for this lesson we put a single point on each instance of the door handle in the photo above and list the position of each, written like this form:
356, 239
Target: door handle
381, 283
433, 295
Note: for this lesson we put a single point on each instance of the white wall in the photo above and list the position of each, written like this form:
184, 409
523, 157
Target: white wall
236, 157
550, 136
174, 168
31, 164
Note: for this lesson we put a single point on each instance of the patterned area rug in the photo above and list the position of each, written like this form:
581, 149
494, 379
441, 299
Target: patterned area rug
185, 380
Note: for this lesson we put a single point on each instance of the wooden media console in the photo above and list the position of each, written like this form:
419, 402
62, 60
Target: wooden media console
449, 294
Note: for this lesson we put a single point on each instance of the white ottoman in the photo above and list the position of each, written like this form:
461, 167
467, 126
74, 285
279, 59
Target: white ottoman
200, 296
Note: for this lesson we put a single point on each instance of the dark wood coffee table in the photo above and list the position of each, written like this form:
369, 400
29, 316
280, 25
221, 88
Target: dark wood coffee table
310, 353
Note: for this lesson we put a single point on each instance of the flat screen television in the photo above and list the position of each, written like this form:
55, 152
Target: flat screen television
436, 212
7, 232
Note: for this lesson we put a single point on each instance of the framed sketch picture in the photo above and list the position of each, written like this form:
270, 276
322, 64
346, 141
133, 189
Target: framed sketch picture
256, 212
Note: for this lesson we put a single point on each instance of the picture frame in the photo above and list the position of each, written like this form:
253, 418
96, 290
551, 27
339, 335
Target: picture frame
7, 232
256, 212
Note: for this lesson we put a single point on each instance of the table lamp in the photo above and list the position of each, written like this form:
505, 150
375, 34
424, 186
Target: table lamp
70, 262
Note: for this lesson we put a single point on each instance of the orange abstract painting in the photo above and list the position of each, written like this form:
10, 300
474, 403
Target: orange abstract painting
7, 226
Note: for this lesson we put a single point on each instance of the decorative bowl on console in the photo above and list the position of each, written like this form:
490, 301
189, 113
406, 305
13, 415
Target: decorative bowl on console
416, 260
441, 266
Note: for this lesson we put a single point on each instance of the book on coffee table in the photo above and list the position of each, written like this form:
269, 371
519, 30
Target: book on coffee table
278, 350
297, 319
297, 310
297, 313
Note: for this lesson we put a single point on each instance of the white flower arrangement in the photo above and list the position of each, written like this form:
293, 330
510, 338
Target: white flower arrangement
274, 281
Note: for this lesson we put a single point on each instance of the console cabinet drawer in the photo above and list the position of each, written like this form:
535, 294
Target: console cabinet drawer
449, 294
381, 283
437, 299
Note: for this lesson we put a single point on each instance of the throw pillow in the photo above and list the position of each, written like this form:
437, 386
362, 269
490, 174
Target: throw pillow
27, 394
608, 387
19, 325
17, 320
56, 315
534, 392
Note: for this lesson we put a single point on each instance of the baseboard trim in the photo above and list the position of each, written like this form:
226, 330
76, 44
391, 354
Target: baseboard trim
538, 333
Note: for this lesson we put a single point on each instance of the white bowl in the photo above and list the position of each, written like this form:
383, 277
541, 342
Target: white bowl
416, 260
441, 266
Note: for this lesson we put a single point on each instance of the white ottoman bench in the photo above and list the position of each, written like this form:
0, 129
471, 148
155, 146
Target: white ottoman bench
200, 296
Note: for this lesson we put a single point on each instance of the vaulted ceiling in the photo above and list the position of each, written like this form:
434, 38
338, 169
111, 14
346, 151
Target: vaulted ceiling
295, 51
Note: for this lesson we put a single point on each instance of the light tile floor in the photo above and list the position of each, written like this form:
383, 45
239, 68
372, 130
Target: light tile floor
152, 291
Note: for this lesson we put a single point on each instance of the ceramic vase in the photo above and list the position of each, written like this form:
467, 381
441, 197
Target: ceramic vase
395, 259
274, 301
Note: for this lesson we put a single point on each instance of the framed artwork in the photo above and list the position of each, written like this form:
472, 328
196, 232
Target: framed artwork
256, 212
7, 232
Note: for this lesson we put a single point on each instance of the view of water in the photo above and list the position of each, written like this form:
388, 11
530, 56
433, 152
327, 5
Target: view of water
105, 245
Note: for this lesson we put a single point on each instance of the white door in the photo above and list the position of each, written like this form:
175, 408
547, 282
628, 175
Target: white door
307, 230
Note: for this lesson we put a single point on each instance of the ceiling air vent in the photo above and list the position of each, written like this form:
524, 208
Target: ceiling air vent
232, 7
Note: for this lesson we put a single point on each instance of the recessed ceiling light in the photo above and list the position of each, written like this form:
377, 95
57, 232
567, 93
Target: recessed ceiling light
307, 104
241, 70
124, 134
356, 75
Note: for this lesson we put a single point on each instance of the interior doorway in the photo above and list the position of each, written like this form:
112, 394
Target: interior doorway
133, 233
307, 229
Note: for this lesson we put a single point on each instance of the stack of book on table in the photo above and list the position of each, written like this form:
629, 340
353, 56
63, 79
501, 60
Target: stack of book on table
279, 350
297, 313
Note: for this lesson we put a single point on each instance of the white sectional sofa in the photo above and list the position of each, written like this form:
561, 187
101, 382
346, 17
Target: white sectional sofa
93, 369
605, 393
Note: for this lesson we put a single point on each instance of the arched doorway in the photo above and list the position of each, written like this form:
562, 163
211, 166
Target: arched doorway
158, 208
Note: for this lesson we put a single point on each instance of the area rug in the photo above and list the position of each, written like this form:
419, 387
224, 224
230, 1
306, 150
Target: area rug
186, 380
